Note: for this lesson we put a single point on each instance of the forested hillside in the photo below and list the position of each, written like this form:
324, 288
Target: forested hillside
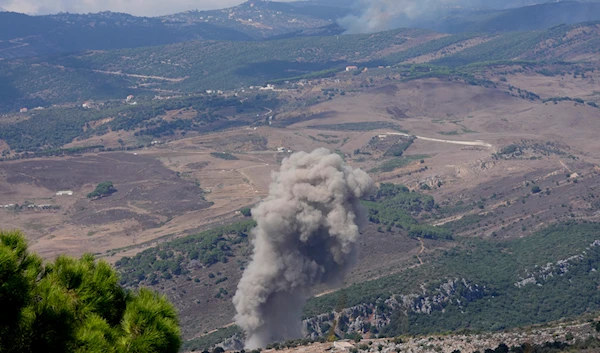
25, 36
212, 65
540, 16
264, 19
485, 285
49, 129
22, 35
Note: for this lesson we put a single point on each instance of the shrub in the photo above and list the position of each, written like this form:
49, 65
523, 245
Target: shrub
246, 212
103, 189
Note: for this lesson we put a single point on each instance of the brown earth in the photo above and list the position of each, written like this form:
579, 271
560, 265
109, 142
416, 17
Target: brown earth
449, 50
166, 191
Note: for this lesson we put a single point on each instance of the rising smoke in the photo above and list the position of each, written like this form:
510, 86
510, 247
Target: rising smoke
380, 15
306, 235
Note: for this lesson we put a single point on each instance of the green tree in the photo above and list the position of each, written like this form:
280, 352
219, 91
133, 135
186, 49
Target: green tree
76, 305
18, 273
103, 189
246, 212
535, 189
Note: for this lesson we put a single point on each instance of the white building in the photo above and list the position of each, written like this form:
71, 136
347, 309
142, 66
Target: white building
64, 193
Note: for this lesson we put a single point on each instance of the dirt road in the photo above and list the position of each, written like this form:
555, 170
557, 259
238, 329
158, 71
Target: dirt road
454, 142
160, 78
215, 330
421, 251
120, 73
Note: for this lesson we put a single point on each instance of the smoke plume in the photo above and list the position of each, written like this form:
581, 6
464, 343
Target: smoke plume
381, 15
306, 235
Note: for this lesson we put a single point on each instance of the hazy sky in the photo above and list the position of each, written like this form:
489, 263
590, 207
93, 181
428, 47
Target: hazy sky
135, 7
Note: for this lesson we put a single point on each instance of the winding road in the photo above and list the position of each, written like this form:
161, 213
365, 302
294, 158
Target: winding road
454, 142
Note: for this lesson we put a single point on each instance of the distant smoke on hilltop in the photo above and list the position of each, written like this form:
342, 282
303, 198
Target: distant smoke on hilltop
381, 15
306, 235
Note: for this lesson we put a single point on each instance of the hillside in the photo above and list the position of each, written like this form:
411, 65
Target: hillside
198, 66
26, 36
264, 19
483, 229
23, 35
471, 156
561, 43
515, 18
185, 67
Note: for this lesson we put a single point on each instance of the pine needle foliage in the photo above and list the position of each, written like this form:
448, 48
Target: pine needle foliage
76, 305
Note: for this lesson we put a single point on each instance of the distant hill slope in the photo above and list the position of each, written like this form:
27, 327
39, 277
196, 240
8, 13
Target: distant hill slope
496, 18
190, 66
540, 16
23, 35
213, 65
329, 30
565, 42
263, 19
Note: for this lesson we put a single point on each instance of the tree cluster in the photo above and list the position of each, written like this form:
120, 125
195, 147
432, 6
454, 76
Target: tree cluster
103, 189
396, 206
172, 259
76, 305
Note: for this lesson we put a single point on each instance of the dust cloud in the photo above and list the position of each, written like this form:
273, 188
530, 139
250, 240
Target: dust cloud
306, 235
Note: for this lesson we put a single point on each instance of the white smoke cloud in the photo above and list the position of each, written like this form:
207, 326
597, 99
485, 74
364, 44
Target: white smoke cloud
381, 15
306, 234
134, 7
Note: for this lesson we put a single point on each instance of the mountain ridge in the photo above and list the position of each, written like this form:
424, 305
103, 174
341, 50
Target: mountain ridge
25, 36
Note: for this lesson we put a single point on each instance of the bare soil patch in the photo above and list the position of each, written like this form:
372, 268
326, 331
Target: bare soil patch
449, 50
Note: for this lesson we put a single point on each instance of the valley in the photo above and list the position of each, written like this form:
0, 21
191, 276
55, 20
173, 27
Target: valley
480, 170
484, 227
